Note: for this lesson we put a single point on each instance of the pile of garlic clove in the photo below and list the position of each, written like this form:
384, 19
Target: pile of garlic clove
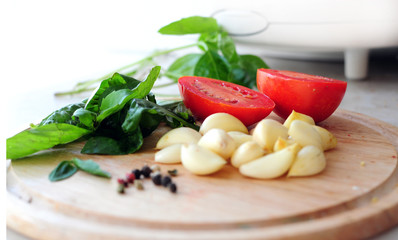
270, 150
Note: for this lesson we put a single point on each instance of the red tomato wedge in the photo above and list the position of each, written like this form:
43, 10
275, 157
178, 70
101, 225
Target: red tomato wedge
312, 95
205, 96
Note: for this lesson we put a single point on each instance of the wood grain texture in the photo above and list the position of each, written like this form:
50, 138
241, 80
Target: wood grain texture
355, 197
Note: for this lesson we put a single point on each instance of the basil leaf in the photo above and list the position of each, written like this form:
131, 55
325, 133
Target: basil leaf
85, 118
209, 41
212, 65
228, 49
116, 82
114, 146
64, 170
190, 25
171, 118
250, 64
41, 138
62, 115
116, 100
91, 167
183, 66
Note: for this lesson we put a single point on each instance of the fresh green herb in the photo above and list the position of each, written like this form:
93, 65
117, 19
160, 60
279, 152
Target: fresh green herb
91, 167
41, 138
115, 120
66, 169
217, 57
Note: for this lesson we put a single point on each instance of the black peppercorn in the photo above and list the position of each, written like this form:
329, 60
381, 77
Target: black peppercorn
137, 173
166, 180
146, 171
173, 188
157, 179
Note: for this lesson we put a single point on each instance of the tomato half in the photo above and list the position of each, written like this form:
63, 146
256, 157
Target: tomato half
312, 95
205, 96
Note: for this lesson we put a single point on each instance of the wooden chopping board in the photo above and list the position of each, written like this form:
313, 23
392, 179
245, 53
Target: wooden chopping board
355, 197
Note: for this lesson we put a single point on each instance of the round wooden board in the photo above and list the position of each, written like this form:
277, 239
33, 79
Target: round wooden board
355, 197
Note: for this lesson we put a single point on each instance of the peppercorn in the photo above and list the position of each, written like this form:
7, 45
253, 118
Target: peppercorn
166, 180
137, 173
130, 177
120, 188
146, 171
173, 187
157, 179
138, 185
122, 182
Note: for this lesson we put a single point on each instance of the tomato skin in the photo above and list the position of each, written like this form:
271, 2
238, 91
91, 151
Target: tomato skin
206, 96
312, 95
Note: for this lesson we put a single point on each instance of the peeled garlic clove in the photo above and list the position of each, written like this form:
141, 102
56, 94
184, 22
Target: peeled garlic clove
240, 137
298, 116
245, 153
178, 136
267, 131
223, 121
218, 141
328, 140
272, 165
305, 134
170, 154
281, 143
199, 160
310, 160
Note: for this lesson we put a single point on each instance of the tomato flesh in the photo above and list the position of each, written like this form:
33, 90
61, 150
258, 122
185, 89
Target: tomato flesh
312, 95
206, 96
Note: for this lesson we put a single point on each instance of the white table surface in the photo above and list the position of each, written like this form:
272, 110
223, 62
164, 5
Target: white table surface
50, 45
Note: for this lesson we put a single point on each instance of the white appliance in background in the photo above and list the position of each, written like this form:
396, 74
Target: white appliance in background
351, 27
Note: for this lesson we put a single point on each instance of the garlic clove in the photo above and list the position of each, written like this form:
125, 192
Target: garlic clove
305, 134
298, 116
240, 137
223, 121
328, 140
310, 160
199, 160
218, 141
178, 136
272, 165
170, 154
281, 143
267, 131
245, 153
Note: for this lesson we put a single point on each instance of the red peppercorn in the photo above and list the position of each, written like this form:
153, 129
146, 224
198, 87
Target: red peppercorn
130, 177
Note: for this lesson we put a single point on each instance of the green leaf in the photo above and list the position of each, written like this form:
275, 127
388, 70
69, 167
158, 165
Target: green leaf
250, 64
41, 138
114, 146
183, 66
107, 86
63, 170
171, 118
190, 25
62, 115
85, 118
116, 100
228, 49
91, 167
209, 41
212, 65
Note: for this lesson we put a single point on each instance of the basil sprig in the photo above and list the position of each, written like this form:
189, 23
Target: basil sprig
67, 168
114, 120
